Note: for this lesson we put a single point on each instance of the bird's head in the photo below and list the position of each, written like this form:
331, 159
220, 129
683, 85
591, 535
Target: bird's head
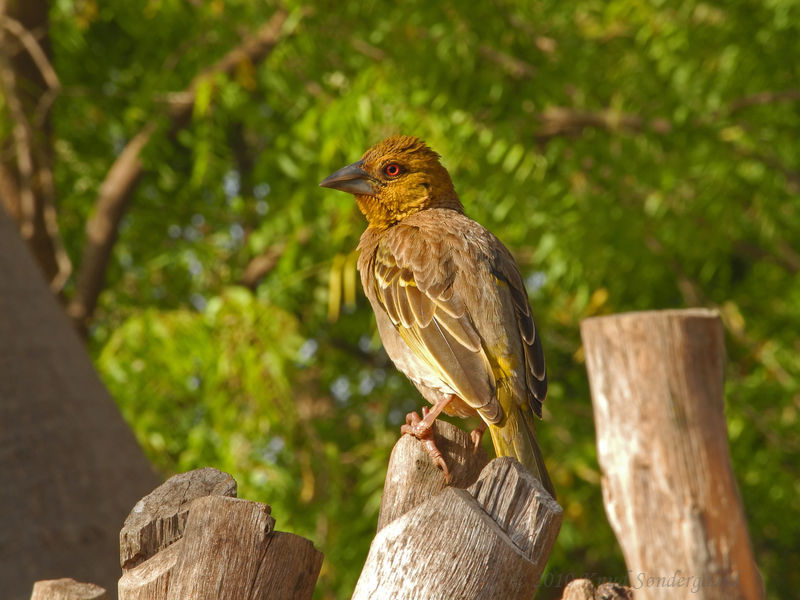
394, 179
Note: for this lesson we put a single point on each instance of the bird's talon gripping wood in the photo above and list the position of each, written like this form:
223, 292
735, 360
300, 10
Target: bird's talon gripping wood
476, 435
449, 300
424, 433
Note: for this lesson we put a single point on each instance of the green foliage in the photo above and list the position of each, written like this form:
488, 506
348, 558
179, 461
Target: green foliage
679, 187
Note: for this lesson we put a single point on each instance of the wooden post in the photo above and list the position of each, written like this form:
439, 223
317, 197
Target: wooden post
150, 538
67, 589
491, 540
583, 589
159, 518
670, 495
191, 539
230, 551
412, 478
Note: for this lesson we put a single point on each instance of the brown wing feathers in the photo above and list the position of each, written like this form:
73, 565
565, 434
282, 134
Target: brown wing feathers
434, 322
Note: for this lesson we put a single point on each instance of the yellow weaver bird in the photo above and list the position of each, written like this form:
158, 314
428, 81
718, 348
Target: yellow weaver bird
451, 306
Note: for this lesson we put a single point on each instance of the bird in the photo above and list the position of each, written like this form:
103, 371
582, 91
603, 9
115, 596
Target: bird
450, 303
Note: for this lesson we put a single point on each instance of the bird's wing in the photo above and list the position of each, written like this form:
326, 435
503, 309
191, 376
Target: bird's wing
413, 283
507, 275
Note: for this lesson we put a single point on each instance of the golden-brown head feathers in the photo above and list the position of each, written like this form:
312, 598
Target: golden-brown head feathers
394, 179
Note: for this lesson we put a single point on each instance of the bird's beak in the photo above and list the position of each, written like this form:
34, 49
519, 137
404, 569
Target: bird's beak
352, 179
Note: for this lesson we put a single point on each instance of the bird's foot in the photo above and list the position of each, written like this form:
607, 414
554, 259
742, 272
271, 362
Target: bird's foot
476, 435
422, 429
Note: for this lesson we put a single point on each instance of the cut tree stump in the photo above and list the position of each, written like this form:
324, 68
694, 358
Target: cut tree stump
491, 540
67, 589
230, 551
668, 487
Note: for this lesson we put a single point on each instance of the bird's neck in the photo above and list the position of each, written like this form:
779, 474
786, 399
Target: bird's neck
380, 216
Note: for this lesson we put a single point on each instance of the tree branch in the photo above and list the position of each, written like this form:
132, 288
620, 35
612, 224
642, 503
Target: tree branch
115, 191
33, 48
558, 120
30, 184
765, 97
259, 266
516, 68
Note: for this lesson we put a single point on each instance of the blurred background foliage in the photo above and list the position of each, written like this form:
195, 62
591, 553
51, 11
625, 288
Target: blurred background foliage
632, 154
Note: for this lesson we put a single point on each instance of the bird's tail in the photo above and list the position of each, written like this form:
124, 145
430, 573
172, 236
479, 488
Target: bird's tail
515, 436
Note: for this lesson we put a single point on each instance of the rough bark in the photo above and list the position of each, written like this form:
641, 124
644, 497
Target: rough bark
670, 494
71, 467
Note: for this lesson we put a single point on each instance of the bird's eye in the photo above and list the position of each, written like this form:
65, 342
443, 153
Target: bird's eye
392, 170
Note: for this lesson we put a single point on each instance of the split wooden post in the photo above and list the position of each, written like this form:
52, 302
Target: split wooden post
491, 540
668, 487
191, 539
149, 541
231, 551
412, 477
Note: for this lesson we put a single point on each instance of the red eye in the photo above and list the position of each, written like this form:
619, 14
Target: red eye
392, 169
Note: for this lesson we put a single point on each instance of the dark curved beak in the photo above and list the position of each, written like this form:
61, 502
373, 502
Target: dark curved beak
351, 179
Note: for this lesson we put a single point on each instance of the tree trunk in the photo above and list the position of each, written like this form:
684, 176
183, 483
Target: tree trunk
29, 86
71, 467
669, 491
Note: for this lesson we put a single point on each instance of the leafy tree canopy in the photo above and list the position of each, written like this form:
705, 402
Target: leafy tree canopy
632, 155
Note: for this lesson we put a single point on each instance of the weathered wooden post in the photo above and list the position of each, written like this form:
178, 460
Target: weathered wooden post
491, 540
670, 495
412, 478
67, 589
191, 539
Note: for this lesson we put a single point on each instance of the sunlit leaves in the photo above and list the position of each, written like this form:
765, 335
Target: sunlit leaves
688, 195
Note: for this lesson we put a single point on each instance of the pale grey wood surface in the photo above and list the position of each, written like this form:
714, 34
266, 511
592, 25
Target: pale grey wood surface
668, 486
412, 478
190, 538
149, 580
583, 589
490, 540
67, 589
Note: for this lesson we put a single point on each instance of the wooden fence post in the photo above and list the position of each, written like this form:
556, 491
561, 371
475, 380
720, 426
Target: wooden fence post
412, 478
67, 589
669, 491
491, 540
231, 551
190, 539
